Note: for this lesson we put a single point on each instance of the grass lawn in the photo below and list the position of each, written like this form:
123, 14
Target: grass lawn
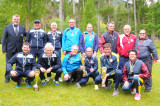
69, 95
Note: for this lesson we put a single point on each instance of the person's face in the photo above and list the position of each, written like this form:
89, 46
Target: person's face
37, 25
107, 51
132, 56
74, 50
48, 51
89, 28
127, 30
15, 20
25, 49
54, 27
110, 27
72, 23
142, 34
89, 52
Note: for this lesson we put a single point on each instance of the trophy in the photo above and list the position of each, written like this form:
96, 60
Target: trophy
83, 56
37, 72
104, 69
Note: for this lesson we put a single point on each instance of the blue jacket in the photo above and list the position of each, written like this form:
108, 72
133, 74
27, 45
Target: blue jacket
91, 62
69, 39
86, 42
37, 38
11, 42
57, 40
54, 61
28, 60
145, 48
111, 65
71, 62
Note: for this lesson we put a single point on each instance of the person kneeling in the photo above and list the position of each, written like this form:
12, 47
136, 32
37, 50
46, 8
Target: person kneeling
72, 66
91, 66
133, 74
49, 62
25, 66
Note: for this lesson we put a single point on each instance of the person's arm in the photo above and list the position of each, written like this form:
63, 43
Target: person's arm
45, 39
96, 42
95, 64
114, 67
58, 63
153, 50
4, 42
28, 37
64, 41
64, 65
34, 64
125, 76
82, 44
61, 38
118, 45
102, 63
101, 43
11, 62
145, 72
39, 62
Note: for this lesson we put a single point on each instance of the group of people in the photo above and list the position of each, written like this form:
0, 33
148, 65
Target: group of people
131, 68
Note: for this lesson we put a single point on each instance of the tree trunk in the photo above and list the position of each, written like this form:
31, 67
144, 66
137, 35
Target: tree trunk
109, 14
79, 15
27, 16
99, 19
60, 13
74, 8
83, 4
135, 19
128, 11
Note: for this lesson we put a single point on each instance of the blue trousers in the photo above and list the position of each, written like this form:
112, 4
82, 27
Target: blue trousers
117, 78
21, 74
122, 61
136, 83
90, 74
36, 52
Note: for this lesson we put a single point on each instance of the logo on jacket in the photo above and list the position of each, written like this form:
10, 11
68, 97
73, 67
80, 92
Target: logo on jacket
29, 60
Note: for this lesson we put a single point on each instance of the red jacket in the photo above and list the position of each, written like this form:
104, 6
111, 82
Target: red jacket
125, 43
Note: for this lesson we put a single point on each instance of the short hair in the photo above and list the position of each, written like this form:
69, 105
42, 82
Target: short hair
127, 26
48, 45
16, 15
89, 24
107, 45
89, 48
143, 30
72, 20
53, 23
26, 43
110, 23
74, 46
132, 50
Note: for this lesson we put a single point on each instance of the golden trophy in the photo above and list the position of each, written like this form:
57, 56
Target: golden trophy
37, 72
83, 56
104, 69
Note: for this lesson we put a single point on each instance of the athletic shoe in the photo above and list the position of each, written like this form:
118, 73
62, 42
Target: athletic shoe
60, 79
56, 83
116, 92
148, 90
137, 96
78, 85
133, 91
109, 85
47, 79
28, 83
96, 87
18, 85
43, 82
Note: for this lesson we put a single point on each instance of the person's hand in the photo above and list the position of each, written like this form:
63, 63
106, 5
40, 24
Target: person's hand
106, 76
126, 84
92, 69
66, 77
102, 54
154, 61
64, 52
31, 74
94, 54
43, 69
4, 53
48, 70
13, 73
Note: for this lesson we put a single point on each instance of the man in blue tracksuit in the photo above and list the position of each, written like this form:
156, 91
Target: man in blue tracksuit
48, 62
25, 66
89, 39
91, 66
110, 62
72, 66
55, 37
37, 38
70, 37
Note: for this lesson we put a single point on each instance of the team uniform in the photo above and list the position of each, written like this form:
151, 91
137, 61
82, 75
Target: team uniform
56, 39
37, 39
87, 40
124, 44
90, 62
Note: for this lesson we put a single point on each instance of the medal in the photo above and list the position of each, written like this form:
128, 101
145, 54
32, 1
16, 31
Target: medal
111, 60
72, 34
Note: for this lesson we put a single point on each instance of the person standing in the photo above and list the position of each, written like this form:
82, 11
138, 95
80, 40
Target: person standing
12, 40
145, 47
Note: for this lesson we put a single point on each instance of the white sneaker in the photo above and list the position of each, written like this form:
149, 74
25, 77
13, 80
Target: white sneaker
60, 79
137, 96
96, 87
133, 91
48, 78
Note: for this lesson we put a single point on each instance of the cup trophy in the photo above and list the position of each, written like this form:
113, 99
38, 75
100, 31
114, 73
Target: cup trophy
37, 72
83, 56
104, 69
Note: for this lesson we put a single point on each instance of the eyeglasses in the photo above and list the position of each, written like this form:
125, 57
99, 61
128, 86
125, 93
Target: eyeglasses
132, 54
142, 33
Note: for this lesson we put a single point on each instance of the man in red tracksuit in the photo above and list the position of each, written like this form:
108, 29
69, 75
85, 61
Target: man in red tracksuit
125, 42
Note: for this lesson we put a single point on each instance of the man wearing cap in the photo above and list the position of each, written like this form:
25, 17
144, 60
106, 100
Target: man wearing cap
37, 38
12, 40
70, 37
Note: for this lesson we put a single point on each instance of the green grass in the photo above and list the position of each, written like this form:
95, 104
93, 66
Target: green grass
69, 95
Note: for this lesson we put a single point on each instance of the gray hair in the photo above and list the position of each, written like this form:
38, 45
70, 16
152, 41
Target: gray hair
128, 26
48, 45
53, 23
72, 20
16, 15
75, 46
89, 48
